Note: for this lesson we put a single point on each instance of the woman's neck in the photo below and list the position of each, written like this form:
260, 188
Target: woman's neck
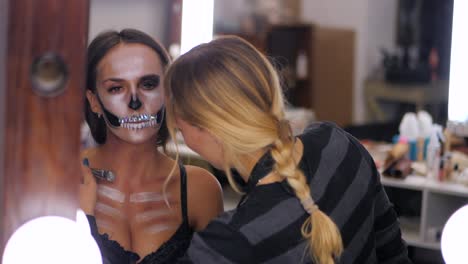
249, 161
133, 162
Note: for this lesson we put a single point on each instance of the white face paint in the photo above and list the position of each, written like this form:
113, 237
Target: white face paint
145, 197
104, 225
111, 193
151, 215
154, 229
108, 210
131, 72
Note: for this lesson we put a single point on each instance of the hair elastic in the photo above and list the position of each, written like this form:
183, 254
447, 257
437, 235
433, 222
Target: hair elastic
309, 205
284, 130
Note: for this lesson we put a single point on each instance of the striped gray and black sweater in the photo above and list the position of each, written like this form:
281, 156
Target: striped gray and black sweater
265, 227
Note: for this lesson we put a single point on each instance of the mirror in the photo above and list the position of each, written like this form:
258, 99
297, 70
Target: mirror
398, 48
394, 58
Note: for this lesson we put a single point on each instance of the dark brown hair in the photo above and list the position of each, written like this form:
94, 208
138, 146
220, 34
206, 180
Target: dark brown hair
98, 48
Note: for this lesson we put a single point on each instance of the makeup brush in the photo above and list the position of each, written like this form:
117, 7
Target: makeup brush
105, 175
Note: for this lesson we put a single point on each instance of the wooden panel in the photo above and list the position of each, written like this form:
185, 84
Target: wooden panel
327, 89
42, 135
285, 43
174, 22
3, 47
333, 74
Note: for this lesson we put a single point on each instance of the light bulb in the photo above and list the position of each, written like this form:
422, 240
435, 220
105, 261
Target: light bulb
455, 237
53, 239
458, 92
197, 23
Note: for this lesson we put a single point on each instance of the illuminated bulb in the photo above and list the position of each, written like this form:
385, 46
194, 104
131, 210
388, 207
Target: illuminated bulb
455, 237
53, 239
197, 23
458, 90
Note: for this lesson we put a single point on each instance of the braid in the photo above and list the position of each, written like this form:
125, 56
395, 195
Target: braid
325, 242
238, 98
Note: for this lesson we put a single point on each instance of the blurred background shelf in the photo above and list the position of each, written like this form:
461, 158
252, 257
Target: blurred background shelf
424, 206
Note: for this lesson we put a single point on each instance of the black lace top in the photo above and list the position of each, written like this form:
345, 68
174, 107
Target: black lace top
113, 253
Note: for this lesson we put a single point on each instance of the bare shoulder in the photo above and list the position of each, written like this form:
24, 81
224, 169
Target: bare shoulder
205, 196
202, 186
200, 179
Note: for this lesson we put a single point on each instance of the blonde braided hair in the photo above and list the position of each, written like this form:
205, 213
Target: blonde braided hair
231, 90
325, 238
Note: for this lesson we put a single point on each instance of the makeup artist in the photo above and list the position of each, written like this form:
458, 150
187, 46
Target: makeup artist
315, 198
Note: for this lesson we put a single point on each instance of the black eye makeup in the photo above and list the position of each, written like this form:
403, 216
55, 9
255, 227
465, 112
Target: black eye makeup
149, 82
114, 89
113, 85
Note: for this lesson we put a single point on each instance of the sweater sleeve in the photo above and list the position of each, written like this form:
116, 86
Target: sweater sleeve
390, 246
218, 243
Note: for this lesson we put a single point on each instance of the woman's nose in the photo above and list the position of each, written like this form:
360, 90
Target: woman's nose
135, 103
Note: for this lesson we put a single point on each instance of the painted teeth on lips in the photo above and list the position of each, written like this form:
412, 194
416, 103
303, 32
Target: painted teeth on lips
137, 118
137, 126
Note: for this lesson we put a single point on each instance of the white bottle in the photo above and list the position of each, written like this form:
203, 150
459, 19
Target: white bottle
301, 65
433, 154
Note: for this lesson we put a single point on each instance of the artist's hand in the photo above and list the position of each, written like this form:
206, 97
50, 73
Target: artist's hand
88, 189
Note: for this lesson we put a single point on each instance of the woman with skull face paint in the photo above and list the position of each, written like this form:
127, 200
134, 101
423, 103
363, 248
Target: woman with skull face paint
137, 213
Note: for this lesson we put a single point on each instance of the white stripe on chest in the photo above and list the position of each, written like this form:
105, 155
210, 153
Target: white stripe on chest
145, 197
111, 193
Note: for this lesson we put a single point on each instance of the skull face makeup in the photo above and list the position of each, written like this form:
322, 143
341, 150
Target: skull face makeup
129, 92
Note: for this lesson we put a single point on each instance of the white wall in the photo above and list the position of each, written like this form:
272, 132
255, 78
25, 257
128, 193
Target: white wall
381, 21
373, 21
149, 16
229, 13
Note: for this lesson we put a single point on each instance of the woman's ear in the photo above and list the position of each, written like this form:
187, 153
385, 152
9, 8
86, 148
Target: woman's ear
199, 128
217, 140
93, 102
